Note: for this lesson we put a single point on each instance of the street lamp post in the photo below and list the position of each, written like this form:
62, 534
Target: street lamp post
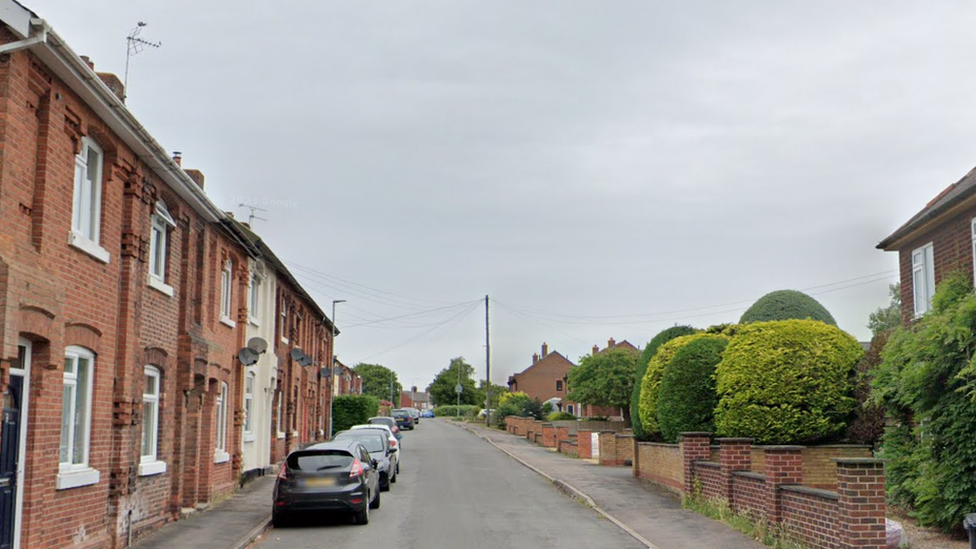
332, 365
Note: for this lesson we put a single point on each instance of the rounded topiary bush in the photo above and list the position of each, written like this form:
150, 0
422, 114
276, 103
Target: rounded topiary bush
786, 305
786, 382
686, 400
651, 383
649, 351
560, 416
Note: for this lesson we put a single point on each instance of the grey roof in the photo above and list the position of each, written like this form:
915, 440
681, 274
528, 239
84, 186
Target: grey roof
951, 195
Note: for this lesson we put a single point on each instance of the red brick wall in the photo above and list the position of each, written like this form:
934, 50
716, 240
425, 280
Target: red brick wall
749, 493
709, 477
548, 435
539, 380
810, 517
584, 443
660, 463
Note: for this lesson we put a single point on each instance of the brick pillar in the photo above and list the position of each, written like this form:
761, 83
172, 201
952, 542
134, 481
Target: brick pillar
735, 454
562, 433
584, 440
861, 505
694, 447
784, 465
549, 435
635, 462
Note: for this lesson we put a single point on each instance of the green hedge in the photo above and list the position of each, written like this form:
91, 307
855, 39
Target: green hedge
560, 416
786, 305
349, 410
452, 410
786, 382
687, 398
651, 383
649, 351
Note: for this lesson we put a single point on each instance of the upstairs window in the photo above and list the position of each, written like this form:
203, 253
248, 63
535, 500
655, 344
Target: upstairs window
226, 291
284, 322
254, 298
923, 278
559, 385
86, 210
162, 222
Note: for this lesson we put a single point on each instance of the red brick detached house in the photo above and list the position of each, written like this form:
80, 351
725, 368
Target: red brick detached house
545, 379
937, 240
123, 305
589, 410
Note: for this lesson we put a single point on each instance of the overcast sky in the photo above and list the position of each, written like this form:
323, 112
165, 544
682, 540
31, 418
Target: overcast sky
600, 169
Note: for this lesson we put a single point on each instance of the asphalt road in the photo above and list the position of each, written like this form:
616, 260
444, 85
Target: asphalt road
457, 492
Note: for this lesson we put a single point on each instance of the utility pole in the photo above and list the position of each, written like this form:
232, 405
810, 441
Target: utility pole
487, 369
458, 390
331, 368
391, 391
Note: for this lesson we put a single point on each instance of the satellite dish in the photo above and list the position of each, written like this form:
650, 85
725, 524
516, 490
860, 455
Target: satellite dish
297, 354
305, 360
247, 356
325, 372
257, 345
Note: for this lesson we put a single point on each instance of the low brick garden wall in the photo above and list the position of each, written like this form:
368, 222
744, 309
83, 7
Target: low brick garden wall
660, 463
819, 471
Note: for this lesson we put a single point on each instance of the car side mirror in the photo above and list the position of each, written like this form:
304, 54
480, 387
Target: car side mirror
374, 463
390, 451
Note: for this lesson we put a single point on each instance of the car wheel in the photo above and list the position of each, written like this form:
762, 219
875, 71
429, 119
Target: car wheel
393, 478
362, 517
278, 520
375, 504
398, 468
384, 483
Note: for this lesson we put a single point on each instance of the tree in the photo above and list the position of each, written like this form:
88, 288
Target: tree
441, 390
886, 319
687, 398
605, 379
786, 305
649, 351
376, 381
496, 392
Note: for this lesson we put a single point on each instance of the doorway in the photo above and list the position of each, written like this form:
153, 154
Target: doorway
13, 438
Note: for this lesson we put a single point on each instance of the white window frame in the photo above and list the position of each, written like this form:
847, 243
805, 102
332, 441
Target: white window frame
149, 463
227, 293
280, 421
70, 473
923, 278
284, 321
162, 222
973, 226
254, 299
249, 380
220, 448
86, 204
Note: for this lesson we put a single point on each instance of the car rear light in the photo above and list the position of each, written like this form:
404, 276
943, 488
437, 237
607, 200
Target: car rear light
283, 472
393, 443
356, 470
396, 430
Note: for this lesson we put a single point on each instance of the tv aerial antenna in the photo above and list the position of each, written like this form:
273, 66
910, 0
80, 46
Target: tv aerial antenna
252, 216
135, 45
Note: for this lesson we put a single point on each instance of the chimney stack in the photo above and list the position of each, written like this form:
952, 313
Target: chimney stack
178, 158
88, 61
196, 176
545, 350
611, 343
535, 358
413, 389
596, 349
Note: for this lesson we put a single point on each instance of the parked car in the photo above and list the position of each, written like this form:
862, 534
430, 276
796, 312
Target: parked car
427, 413
403, 419
484, 412
415, 414
377, 443
394, 442
338, 476
388, 421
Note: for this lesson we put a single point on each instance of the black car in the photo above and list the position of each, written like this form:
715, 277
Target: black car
334, 476
378, 446
403, 419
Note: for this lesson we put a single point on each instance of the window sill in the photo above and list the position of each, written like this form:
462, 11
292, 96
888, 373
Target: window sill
253, 321
225, 320
221, 457
150, 468
281, 435
249, 437
157, 284
74, 479
90, 247
284, 340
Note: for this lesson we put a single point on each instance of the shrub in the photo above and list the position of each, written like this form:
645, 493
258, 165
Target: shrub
349, 410
786, 382
687, 398
649, 350
651, 384
867, 425
560, 416
452, 410
786, 305
925, 382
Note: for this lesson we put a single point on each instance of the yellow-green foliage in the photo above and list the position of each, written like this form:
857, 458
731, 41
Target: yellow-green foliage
786, 382
505, 397
651, 384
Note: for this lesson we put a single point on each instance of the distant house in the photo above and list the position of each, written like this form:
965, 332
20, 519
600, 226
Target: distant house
415, 399
599, 411
545, 380
937, 240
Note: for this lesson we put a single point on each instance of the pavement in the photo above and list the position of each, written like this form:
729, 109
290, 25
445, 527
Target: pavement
650, 514
232, 524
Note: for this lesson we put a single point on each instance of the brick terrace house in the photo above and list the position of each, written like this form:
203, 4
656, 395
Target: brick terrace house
347, 380
124, 300
937, 240
545, 379
415, 399
588, 410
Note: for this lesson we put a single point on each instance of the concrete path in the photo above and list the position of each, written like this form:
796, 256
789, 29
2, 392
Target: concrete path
232, 524
653, 515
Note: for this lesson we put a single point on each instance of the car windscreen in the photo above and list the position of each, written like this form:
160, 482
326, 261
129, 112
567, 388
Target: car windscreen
400, 413
381, 420
319, 460
372, 442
